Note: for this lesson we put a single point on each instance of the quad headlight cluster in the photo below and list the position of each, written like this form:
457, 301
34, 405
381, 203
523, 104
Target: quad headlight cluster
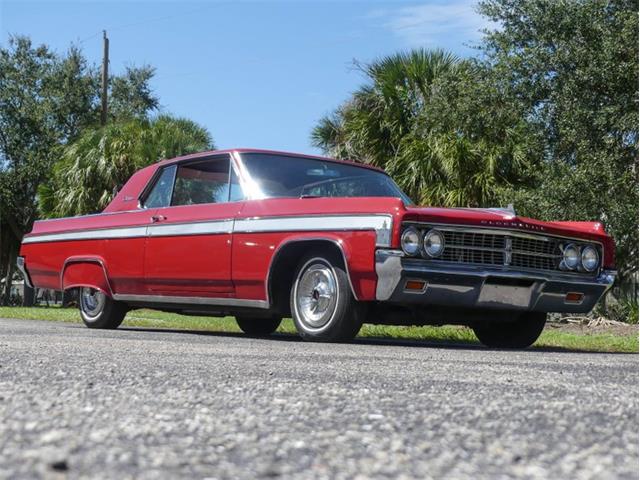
429, 243
580, 257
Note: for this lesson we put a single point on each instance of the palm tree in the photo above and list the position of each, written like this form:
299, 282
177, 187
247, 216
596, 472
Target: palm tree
417, 117
103, 159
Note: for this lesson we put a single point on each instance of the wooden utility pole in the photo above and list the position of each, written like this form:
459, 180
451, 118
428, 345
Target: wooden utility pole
105, 78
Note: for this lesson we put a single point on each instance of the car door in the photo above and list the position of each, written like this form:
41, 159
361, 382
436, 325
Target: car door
188, 247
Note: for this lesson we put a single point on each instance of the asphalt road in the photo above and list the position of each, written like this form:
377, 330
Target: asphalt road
136, 403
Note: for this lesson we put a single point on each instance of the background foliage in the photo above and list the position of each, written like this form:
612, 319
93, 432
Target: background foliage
102, 159
50, 140
546, 117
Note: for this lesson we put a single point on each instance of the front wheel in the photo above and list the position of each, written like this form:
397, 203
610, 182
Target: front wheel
258, 327
322, 304
521, 332
99, 311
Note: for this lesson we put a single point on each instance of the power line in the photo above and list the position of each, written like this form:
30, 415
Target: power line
147, 21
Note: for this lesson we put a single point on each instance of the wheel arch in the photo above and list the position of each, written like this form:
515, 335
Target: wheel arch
286, 258
81, 271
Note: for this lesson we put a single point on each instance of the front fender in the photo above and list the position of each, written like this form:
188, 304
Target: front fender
358, 252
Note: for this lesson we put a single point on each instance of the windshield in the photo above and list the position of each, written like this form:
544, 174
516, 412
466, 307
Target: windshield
274, 176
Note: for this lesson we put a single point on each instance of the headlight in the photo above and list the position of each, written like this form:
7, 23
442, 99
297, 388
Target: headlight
410, 241
433, 243
590, 258
571, 256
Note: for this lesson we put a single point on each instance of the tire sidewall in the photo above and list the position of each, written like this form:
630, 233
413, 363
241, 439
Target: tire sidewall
257, 326
519, 333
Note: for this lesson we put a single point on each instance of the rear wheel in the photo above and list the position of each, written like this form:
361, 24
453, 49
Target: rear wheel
98, 310
322, 304
259, 327
521, 332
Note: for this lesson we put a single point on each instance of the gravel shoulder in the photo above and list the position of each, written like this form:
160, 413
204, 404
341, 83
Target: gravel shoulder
145, 403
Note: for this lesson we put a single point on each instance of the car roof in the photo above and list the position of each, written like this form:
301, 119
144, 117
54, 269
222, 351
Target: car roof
210, 153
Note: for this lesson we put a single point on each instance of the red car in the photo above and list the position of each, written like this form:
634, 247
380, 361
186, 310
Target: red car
264, 235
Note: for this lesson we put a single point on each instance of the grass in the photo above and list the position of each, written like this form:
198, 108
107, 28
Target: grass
550, 338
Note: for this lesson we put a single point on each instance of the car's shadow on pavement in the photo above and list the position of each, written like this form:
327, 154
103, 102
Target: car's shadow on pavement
372, 341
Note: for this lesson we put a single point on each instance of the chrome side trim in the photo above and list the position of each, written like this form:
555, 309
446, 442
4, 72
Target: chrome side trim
95, 234
20, 263
223, 302
194, 228
382, 224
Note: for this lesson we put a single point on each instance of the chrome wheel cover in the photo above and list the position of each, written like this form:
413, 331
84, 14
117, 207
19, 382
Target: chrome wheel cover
316, 295
92, 302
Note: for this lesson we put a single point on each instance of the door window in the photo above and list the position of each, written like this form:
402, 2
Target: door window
160, 194
202, 182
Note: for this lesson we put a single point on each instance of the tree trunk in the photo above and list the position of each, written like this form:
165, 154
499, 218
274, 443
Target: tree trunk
29, 296
11, 261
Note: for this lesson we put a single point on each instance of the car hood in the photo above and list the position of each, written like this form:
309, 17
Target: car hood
502, 218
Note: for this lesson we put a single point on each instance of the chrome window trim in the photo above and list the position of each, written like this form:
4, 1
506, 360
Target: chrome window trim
146, 191
154, 178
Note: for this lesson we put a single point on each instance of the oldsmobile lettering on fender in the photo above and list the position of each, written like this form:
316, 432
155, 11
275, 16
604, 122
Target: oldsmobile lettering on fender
263, 235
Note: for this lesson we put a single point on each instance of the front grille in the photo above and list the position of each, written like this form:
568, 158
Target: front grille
501, 249
505, 249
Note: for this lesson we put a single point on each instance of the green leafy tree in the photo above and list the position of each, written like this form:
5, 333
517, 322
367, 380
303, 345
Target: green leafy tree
46, 100
131, 94
573, 66
418, 117
103, 159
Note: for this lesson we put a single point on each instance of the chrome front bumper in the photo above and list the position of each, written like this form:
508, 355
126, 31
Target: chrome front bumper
475, 286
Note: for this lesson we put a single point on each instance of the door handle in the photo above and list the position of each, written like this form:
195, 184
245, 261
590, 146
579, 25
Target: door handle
157, 218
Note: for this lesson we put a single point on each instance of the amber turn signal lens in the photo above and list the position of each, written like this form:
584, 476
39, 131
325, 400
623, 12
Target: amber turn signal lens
574, 297
415, 285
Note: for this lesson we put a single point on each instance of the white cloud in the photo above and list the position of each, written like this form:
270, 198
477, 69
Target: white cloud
435, 23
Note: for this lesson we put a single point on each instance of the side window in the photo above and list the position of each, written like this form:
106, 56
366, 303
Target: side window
202, 182
160, 194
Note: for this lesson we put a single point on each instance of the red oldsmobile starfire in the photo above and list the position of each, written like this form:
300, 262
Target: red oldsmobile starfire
263, 235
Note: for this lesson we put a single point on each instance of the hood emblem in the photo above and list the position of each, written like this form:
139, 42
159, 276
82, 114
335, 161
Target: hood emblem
516, 224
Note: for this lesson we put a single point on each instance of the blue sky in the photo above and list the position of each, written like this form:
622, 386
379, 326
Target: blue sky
256, 74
